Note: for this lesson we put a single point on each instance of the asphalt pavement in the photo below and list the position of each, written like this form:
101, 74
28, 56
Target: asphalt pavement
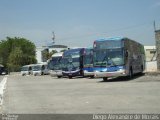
45, 94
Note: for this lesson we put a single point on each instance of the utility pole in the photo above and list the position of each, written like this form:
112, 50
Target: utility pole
53, 37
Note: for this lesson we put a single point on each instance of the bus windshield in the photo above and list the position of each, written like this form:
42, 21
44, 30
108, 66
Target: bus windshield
54, 63
71, 62
25, 68
37, 67
72, 59
108, 57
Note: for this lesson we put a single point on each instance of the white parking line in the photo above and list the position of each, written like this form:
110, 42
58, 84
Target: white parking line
2, 88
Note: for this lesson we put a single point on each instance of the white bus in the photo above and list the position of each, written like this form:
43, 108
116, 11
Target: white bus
27, 69
118, 56
40, 69
54, 65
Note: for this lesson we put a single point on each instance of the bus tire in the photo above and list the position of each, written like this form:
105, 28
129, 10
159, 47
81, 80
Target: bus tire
70, 77
92, 76
105, 78
59, 76
141, 68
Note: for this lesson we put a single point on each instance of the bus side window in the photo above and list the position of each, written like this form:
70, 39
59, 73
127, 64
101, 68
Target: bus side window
30, 68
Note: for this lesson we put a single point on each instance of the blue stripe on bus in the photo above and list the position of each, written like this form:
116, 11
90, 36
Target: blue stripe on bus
109, 69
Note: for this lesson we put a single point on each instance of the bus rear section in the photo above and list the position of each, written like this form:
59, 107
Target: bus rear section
73, 65
114, 57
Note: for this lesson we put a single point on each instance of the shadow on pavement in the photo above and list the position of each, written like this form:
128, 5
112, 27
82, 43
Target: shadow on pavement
122, 79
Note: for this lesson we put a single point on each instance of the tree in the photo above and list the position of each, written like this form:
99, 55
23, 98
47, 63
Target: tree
16, 52
15, 59
47, 55
52, 52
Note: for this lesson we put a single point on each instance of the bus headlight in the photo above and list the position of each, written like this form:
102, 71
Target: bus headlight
96, 71
85, 71
121, 69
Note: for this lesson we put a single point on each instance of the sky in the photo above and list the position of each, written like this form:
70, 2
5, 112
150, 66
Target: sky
77, 23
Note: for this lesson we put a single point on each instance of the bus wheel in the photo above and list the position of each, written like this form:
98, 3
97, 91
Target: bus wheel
105, 79
59, 76
70, 77
92, 76
141, 68
42, 73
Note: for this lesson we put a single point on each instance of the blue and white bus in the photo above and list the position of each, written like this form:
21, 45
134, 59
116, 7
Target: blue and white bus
118, 56
78, 62
73, 62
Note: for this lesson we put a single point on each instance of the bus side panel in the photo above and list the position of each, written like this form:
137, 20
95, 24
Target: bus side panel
128, 57
136, 57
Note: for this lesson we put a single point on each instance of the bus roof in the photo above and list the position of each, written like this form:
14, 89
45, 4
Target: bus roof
73, 50
57, 54
111, 38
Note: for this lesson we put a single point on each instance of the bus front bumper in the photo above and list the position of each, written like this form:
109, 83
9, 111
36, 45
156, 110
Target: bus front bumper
23, 73
37, 73
109, 74
55, 73
86, 73
72, 73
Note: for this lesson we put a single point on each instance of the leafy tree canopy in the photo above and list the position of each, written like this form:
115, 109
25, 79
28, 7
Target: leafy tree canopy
17, 52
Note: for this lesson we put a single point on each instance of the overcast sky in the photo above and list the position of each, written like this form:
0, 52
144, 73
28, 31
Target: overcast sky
78, 23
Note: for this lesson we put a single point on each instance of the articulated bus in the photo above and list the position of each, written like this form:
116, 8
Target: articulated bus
78, 62
54, 65
118, 56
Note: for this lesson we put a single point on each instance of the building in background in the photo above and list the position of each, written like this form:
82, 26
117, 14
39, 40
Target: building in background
157, 36
40, 51
151, 62
58, 48
150, 53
